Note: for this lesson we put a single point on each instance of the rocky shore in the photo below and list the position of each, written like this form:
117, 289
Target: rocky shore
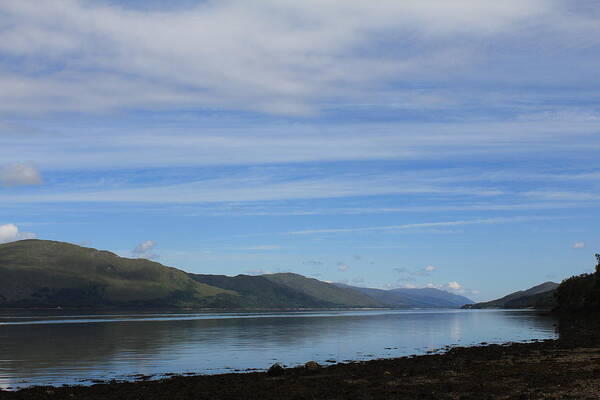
566, 368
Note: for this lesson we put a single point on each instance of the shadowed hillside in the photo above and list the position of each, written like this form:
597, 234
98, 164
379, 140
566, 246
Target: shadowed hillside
41, 273
323, 291
540, 296
286, 290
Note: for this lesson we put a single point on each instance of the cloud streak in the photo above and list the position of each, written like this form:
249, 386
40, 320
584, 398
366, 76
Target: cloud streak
258, 187
281, 57
182, 144
481, 221
20, 174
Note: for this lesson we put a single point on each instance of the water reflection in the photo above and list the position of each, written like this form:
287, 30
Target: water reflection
54, 349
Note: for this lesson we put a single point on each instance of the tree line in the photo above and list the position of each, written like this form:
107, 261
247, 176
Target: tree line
580, 292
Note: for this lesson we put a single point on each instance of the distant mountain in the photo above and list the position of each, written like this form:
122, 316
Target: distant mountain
540, 296
41, 273
286, 290
421, 298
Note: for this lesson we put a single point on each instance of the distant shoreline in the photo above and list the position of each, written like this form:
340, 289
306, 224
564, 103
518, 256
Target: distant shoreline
191, 310
194, 310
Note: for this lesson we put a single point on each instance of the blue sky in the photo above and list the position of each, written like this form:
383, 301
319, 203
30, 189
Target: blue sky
398, 144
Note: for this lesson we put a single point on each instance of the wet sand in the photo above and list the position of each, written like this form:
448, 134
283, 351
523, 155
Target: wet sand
566, 368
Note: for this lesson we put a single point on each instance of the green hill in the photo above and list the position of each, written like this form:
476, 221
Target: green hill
286, 290
323, 291
540, 296
40, 273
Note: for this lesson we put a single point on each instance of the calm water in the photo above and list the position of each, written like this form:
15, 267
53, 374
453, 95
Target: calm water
75, 349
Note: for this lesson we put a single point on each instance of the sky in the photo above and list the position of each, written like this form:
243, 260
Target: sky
413, 143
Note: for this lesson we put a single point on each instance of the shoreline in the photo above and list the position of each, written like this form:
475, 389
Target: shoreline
563, 368
156, 377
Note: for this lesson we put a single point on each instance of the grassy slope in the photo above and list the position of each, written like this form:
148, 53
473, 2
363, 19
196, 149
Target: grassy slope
539, 300
538, 296
47, 273
322, 291
261, 292
40, 273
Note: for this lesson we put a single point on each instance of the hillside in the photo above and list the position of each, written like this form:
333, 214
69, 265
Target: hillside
286, 290
41, 273
421, 298
540, 296
323, 291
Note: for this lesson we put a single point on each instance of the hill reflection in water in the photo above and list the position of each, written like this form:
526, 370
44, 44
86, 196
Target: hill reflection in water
56, 349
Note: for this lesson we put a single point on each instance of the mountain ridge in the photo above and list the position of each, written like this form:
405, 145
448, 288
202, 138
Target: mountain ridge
49, 274
414, 297
537, 296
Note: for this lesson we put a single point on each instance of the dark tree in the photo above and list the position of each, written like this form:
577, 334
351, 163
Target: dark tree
580, 292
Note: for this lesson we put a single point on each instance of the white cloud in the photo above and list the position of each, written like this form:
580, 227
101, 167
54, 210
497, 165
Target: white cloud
343, 267
20, 174
11, 233
409, 286
452, 286
258, 271
276, 56
144, 250
578, 245
430, 268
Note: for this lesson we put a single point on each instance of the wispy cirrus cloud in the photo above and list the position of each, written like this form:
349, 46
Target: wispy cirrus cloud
480, 221
259, 187
265, 247
20, 174
272, 56
563, 195
183, 144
